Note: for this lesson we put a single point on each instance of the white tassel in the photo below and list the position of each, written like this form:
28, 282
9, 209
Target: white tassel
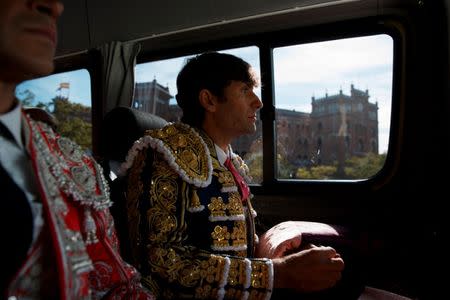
90, 229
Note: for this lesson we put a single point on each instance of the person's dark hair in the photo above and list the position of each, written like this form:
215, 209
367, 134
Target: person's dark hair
212, 71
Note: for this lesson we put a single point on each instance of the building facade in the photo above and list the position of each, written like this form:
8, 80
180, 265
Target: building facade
339, 126
343, 126
153, 98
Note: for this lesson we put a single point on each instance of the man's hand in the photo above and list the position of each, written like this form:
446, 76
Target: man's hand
309, 270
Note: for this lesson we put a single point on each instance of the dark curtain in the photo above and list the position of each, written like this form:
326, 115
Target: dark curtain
118, 62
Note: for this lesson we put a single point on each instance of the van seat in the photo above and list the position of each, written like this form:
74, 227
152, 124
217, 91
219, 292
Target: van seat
122, 126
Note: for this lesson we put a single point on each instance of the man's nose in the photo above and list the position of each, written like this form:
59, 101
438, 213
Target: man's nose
52, 8
258, 102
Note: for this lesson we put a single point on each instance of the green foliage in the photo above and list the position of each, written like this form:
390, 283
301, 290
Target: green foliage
254, 163
317, 172
355, 168
78, 131
42, 105
364, 167
285, 169
73, 121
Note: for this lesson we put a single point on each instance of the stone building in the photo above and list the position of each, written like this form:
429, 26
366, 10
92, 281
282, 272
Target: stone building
339, 126
343, 126
153, 98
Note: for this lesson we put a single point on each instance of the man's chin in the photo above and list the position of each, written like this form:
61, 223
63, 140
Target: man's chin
250, 130
36, 69
42, 68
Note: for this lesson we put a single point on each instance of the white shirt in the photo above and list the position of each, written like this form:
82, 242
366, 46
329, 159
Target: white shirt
222, 155
14, 159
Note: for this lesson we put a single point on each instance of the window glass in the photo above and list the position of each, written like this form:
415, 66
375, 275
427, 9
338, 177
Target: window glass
336, 95
155, 92
67, 96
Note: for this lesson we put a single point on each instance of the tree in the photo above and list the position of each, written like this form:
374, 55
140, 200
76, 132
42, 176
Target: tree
285, 169
364, 167
74, 121
317, 172
254, 163
27, 97
77, 130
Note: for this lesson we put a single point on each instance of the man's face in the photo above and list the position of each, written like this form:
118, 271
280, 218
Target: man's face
236, 113
27, 38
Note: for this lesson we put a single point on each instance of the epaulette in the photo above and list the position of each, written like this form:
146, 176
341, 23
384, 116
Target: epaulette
183, 149
75, 173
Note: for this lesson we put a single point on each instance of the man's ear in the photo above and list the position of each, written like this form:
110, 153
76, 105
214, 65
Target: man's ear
208, 100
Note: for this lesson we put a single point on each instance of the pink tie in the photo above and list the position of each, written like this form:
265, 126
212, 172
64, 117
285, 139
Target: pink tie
243, 187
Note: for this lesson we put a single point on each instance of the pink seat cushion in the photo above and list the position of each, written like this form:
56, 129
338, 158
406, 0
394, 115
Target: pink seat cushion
289, 236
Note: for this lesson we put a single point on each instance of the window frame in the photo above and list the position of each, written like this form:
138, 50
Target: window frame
266, 42
349, 29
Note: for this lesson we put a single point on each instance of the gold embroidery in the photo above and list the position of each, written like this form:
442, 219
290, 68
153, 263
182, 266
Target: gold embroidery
173, 265
226, 178
168, 263
191, 272
181, 142
238, 272
195, 200
220, 236
212, 269
161, 217
215, 163
239, 234
186, 147
190, 158
209, 143
134, 190
242, 168
257, 295
222, 239
260, 274
205, 292
190, 275
232, 293
163, 222
135, 185
235, 206
217, 207
166, 231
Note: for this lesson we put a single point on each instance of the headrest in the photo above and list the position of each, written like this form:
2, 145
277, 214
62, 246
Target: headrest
122, 126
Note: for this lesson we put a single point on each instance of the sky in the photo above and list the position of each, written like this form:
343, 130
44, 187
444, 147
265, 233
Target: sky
46, 88
300, 72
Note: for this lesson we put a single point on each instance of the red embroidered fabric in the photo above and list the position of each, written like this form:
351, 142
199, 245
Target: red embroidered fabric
243, 187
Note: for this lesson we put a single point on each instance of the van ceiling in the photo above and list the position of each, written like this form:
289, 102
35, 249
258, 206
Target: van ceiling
90, 23
86, 24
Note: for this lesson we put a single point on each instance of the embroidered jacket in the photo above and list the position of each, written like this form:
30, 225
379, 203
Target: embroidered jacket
76, 254
191, 234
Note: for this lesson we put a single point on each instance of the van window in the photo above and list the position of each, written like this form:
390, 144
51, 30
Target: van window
333, 107
155, 92
68, 97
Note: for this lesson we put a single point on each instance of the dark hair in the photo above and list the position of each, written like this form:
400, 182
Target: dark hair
212, 71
